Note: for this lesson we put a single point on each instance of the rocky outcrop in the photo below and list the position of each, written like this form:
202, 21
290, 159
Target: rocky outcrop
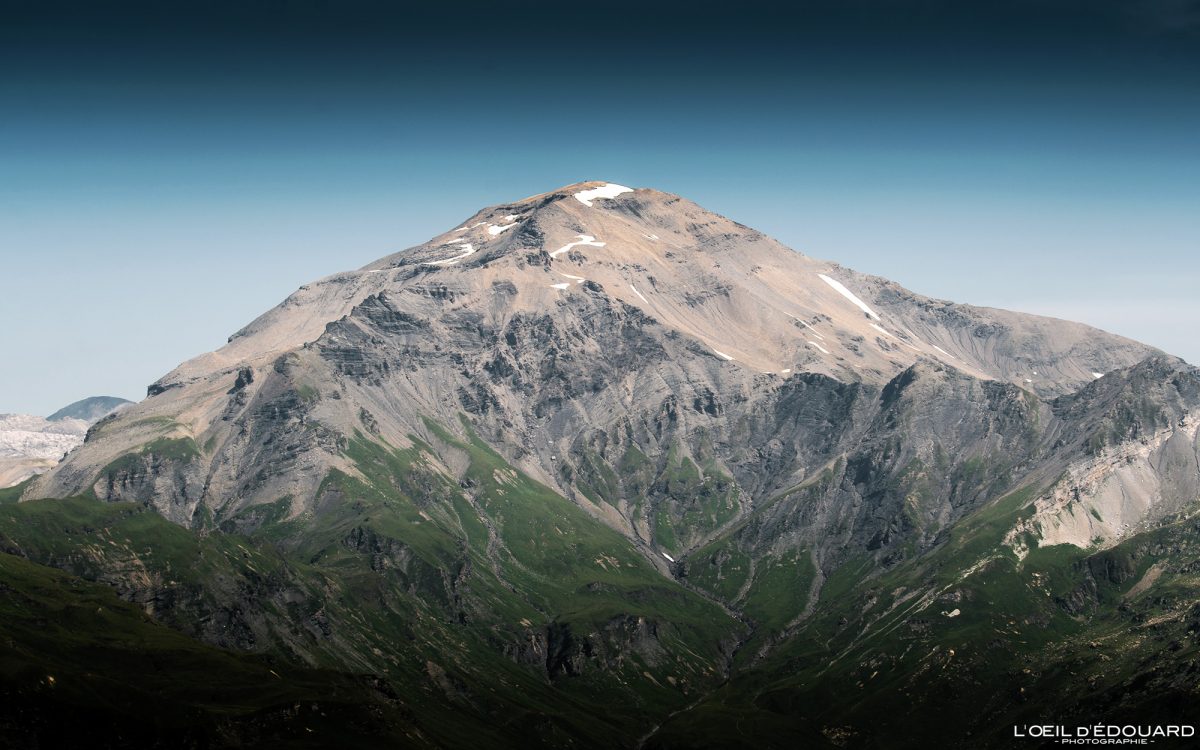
1131, 454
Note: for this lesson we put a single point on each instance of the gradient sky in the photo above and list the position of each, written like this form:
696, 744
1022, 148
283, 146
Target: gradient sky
168, 171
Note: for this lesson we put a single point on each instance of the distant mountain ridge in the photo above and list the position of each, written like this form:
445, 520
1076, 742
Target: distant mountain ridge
30, 445
89, 409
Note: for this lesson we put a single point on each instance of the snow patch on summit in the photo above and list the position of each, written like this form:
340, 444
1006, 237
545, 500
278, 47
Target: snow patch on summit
607, 190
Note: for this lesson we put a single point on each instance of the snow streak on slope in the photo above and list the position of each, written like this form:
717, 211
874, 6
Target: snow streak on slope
837, 285
467, 248
495, 230
584, 239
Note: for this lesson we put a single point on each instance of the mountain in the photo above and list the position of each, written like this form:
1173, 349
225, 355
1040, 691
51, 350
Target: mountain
89, 409
30, 445
602, 468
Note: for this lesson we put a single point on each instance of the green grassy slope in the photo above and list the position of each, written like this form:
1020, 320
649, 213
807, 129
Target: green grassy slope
493, 609
482, 609
80, 666
955, 648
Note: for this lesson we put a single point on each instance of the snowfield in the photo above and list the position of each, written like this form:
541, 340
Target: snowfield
25, 436
608, 190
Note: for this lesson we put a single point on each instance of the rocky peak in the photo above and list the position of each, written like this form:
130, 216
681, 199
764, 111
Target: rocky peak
570, 311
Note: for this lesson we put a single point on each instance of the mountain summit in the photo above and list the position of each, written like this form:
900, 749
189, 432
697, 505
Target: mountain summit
601, 447
734, 291
567, 311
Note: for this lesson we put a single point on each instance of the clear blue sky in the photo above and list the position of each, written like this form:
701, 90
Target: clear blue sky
165, 178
